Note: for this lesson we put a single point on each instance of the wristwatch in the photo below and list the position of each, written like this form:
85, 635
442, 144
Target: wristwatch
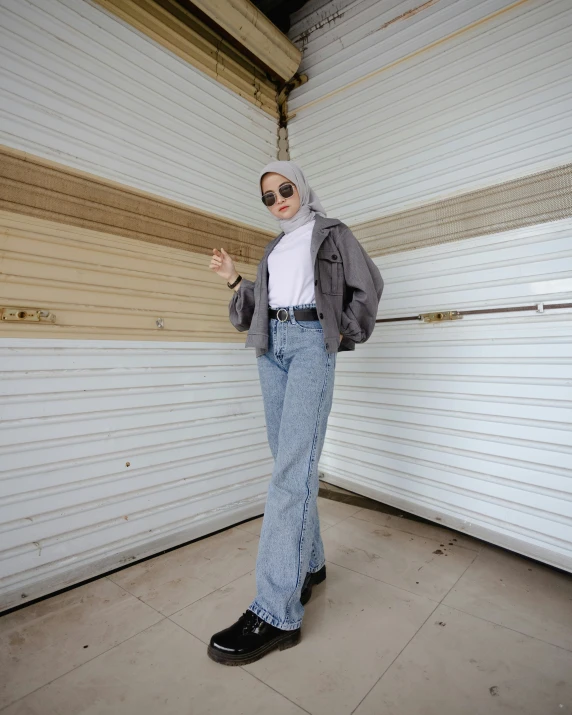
236, 282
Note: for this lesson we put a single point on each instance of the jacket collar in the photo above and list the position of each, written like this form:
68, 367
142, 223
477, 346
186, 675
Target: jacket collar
321, 230
323, 223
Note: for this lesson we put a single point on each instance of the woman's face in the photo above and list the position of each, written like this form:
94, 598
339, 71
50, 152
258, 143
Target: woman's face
282, 208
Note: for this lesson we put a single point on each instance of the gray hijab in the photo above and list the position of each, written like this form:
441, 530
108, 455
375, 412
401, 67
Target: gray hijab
310, 205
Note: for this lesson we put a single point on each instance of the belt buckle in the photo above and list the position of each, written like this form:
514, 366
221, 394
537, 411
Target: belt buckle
282, 310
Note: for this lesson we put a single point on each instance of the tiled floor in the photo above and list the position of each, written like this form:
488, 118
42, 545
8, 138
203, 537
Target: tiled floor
412, 620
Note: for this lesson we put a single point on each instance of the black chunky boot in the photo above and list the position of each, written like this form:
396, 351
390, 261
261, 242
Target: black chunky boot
311, 580
248, 640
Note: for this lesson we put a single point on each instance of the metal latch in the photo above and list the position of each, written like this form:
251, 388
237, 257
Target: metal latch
441, 316
27, 315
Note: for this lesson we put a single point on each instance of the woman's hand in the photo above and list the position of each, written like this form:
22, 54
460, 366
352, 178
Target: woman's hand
222, 264
341, 337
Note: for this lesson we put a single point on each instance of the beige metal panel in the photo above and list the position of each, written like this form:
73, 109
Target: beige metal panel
105, 286
180, 32
123, 454
42, 188
245, 22
532, 200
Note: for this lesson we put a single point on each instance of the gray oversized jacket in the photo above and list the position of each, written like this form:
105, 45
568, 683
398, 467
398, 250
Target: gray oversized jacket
348, 286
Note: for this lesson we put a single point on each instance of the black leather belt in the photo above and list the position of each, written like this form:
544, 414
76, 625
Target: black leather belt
282, 314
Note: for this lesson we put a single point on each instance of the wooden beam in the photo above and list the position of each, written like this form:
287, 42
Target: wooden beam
253, 30
176, 29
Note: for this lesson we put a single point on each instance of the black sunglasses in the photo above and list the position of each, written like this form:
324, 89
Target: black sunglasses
286, 191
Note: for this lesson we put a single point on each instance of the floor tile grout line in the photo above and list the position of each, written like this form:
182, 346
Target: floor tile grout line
475, 557
412, 533
234, 580
276, 691
508, 628
125, 590
349, 516
107, 577
322, 522
437, 605
163, 617
387, 583
214, 590
182, 627
409, 533
153, 607
115, 645
456, 609
486, 620
396, 657
90, 660
428, 522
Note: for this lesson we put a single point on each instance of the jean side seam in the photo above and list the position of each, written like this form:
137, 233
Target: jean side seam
312, 455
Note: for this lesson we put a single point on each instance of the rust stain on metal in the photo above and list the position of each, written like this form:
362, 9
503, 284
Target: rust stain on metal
409, 57
282, 98
409, 13
303, 37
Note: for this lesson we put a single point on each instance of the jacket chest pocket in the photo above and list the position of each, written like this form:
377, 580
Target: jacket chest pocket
331, 271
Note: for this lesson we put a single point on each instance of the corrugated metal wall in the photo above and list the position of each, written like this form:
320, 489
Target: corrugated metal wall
112, 451
104, 286
468, 422
81, 87
408, 104
402, 109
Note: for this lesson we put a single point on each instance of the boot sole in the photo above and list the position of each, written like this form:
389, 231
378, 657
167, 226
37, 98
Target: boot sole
289, 640
319, 577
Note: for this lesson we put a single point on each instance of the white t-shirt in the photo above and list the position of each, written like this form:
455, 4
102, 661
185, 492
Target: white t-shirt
290, 269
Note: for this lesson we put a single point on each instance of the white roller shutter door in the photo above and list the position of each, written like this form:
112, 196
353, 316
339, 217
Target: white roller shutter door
468, 422
404, 109
112, 451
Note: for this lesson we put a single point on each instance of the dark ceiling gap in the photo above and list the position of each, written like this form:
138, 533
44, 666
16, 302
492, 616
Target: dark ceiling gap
279, 12
276, 13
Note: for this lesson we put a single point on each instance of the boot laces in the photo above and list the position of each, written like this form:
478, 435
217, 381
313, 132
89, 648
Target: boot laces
252, 623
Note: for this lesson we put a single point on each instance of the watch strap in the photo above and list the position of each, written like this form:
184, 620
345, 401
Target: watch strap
236, 282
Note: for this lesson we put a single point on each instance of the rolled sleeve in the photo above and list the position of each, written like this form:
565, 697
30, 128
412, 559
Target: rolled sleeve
241, 306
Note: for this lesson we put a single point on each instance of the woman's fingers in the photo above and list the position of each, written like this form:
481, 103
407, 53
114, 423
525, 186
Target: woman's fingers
219, 259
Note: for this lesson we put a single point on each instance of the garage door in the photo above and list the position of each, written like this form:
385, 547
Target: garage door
468, 422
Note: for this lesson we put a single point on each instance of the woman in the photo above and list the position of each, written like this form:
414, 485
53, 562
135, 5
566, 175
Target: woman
316, 293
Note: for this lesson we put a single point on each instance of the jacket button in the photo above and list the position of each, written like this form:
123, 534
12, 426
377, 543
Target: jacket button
321, 315
334, 257
327, 346
315, 283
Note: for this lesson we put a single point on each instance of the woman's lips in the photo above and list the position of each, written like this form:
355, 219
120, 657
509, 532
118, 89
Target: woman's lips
283, 208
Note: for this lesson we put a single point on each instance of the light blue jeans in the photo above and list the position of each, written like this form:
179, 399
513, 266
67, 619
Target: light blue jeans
297, 380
